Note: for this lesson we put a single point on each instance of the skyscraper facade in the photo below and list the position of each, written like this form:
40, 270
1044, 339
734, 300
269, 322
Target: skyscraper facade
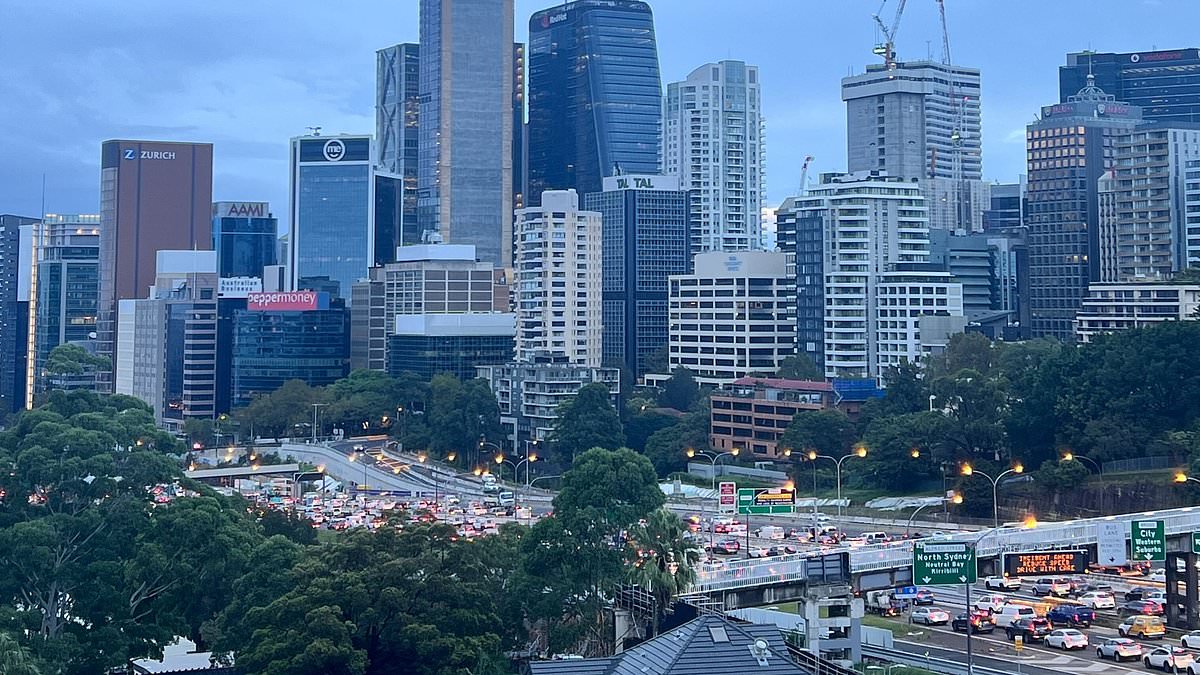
595, 97
646, 225
66, 288
244, 235
1164, 84
712, 140
465, 152
154, 196
799, 228
1068, 150
397, 131
15, 268
921, 120
558, 280
332, 240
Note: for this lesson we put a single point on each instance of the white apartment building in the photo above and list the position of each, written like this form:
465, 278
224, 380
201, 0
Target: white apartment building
877, 279
713, 140
557, 280
734, 316
1121, 306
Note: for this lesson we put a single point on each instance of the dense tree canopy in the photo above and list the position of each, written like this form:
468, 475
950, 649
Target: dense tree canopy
586, 420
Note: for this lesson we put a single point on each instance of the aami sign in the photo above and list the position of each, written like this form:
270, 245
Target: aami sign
242, 210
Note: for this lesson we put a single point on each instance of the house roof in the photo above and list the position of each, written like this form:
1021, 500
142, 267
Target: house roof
708, 645
780, 383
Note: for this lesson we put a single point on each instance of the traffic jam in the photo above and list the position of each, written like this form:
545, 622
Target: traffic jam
1113, 614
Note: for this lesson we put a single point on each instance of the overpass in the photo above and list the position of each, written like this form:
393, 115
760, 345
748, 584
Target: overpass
288, 470
744, 583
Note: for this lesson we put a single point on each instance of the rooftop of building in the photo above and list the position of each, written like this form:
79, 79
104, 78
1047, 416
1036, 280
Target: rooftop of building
782, 383
708, 645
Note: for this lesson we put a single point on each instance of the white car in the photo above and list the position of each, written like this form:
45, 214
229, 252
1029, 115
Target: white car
929, 616
1002, 583
1101, 600
759, 552
1067, 638
1164, 658
1191, 640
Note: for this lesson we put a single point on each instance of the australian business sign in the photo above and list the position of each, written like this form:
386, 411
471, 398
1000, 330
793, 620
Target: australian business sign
242, 209
134, 153
335, 149
640, 182
287, 301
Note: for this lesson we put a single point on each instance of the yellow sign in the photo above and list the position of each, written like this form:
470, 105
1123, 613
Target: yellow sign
1018, 643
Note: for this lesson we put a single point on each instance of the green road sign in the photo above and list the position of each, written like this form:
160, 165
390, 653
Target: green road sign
943, 564
1196, 542
1147, 540
765, 501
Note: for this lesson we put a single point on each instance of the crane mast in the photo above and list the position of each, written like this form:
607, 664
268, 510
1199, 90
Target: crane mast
888, 48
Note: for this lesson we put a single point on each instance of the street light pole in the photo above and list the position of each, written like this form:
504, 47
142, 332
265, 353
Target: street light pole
968, 471
1072, 457
713, 459
315, 406
860, 452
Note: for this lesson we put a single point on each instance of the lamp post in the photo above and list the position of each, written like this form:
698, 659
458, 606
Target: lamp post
1072, 457
860, 452
315, 407
713, 459
483, 443
354, 457
1030, 523
968, 471
957, 499
1183, 478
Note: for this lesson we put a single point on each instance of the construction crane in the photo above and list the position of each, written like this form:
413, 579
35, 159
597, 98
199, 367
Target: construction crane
961, 212
804, 176
888, 49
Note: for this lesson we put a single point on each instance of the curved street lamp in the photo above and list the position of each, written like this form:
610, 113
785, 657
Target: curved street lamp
860, 452
967, 470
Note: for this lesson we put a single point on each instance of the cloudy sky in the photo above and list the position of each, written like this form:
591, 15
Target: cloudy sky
248, 74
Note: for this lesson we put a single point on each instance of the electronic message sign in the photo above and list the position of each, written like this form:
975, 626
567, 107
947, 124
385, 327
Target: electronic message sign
1037, 563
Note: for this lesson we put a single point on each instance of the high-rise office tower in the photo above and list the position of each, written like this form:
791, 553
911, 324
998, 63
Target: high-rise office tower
397, 127
1068, 150
332, 238
465, 171
66, 288
154, 196
712, 140
1164, 84
558, 281
799, 233
16, 236
167, 344
244, 235
646, 225
920, 120
595, 98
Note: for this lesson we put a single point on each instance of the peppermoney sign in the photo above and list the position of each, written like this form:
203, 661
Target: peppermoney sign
943, 564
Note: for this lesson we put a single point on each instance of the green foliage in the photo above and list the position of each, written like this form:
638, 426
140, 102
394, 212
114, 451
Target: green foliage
285, 412
1058, 475
661, 561
69, 359
587, 420
799, 367
680, 391
640, 426
890, 443
460, 414
667, 448
829, 432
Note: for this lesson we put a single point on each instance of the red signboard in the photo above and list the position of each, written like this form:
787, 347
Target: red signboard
287, 301
728, 496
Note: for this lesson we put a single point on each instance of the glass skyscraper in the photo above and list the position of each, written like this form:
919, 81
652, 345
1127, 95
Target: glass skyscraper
1164, 84
464, 174
244, 237
271, 347
333, 211
647, 226
397, 127
595, 97
68, 283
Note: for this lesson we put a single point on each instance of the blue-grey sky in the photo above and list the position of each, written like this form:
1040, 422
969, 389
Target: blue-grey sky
248, 74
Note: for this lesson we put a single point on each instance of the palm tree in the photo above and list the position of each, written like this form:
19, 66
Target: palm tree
14, 659
661, 560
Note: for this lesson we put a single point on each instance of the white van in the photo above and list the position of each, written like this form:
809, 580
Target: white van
876, 537
507, 498
990, 603
1010, 613
770, 532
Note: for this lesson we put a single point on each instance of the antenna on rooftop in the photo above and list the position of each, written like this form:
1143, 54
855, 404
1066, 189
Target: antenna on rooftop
315, 131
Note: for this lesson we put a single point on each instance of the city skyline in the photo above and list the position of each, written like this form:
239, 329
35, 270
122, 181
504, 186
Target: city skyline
213, 83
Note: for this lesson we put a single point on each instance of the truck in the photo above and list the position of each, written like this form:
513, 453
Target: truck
884, 603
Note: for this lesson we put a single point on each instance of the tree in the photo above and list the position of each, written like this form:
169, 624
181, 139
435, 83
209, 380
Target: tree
461, 414
661, 560
1056, 475
15, 659
799, 367
587, 420
829, 432
287, 411
976, 407
70, 359
891, 442
659, 361
641, 421
667, 448
680, 391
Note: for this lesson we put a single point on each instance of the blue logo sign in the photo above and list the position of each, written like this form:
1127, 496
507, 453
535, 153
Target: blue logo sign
130, 153
733, 263
906, 592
